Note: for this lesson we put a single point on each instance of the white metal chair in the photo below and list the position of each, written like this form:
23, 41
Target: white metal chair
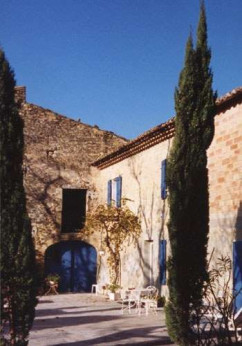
152, 291
99, 288
129, 300
235, 324
149, 302
94, 289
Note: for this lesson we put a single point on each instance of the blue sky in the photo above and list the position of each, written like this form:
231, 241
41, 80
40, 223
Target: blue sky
115, 63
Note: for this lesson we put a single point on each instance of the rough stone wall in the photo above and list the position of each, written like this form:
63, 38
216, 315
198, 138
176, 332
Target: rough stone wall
225, 182
58, 154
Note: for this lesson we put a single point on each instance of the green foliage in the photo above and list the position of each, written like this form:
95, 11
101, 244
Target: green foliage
113, 287
187, 181
119, 227
53, 277
17, 258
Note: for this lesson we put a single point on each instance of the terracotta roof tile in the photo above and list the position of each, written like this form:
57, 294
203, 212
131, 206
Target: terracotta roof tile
160, 133
230, 95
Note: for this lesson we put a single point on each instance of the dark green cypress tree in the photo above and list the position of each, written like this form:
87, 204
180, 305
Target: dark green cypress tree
17, 257
187, 180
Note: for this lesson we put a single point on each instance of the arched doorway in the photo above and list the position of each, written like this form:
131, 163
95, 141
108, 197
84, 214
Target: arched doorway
75, 262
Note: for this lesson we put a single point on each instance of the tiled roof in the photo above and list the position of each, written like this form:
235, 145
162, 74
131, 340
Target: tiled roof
231, 98
146, 140
229, 95
160, 133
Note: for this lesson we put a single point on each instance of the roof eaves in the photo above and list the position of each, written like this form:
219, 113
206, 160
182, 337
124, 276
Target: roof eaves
146, 140
229, 100
160, 133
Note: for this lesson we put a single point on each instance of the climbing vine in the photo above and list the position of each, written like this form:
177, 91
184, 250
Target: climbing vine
119, 227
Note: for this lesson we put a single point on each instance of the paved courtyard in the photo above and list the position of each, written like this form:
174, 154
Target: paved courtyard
87, 319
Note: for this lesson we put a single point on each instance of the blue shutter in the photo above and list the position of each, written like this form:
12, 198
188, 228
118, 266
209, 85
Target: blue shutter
237, 274
118, 181
163, 179
163, 262
109, 194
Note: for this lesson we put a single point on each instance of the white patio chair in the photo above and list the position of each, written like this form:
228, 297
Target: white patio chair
129, 300
149, 302
152, 291
235, 324
94, 288
98, 288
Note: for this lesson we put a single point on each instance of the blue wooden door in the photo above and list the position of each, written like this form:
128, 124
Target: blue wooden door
237, 269
75, 262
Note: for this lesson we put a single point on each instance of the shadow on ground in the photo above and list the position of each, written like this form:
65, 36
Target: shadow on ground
60, 322
60, 312
117, 338
89, 320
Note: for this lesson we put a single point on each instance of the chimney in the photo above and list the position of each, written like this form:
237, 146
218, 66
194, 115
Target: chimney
20, 94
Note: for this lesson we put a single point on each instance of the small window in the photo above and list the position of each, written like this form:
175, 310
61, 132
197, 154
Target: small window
162, 260
73, 210
114, 191
163, 179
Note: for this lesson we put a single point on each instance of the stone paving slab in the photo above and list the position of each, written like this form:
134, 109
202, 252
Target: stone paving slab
87, 319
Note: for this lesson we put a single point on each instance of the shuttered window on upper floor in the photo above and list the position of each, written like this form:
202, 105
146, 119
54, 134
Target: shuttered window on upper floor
163, 179
114, 191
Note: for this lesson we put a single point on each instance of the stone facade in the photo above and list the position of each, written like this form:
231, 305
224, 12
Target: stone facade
141, 185
58, 154
63, 153
139, 164
225, 181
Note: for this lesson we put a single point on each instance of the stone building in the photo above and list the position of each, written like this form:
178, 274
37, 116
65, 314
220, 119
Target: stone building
68, 163
57, 175
141, 165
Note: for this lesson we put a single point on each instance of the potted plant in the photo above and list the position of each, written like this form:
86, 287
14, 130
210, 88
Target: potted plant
52, 281
112, 291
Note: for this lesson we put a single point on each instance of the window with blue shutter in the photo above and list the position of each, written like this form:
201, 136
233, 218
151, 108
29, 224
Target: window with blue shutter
118, 182
163, 179
109, 193
162, 260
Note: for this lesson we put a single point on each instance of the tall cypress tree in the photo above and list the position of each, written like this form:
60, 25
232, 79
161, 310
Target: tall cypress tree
187, 180
17, 258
